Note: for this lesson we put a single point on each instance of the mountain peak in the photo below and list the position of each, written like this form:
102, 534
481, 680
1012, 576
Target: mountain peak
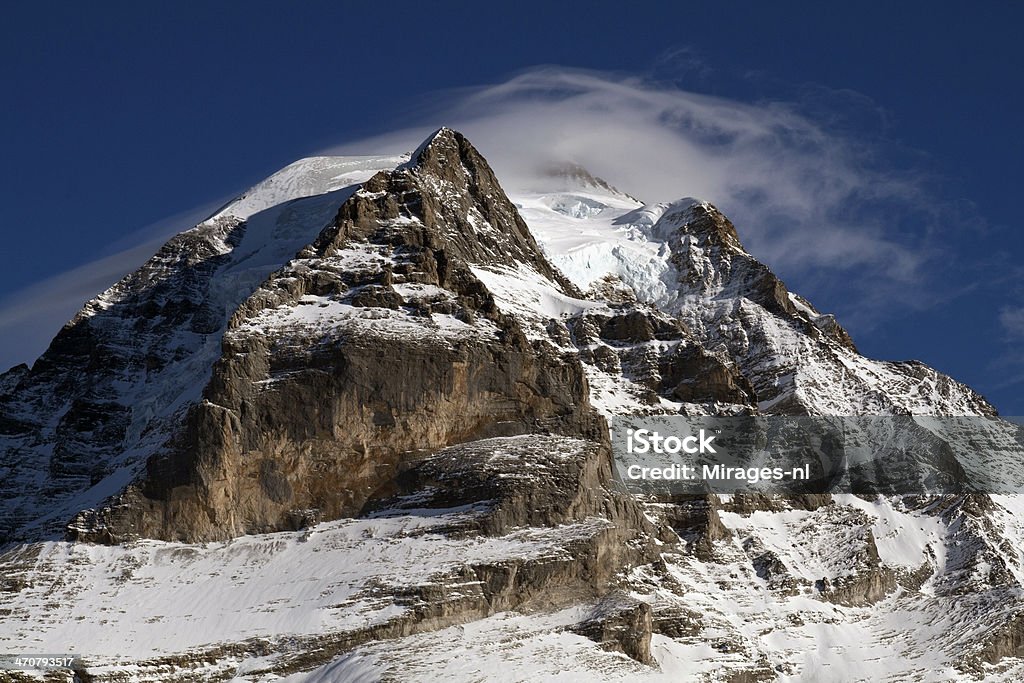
576, 177
442, 143
686, 216
445, 196
449, 155
701, 217
394, 272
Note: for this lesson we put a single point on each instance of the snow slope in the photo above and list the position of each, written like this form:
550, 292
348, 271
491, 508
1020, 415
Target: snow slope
121, 605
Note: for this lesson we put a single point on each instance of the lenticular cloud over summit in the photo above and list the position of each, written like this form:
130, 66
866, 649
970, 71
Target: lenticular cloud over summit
808, 198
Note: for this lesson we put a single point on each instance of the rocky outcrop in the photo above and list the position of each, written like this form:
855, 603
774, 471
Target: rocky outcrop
692, 375
865, 588
1007, 640
696, 520
621, 624
330, 379
770, 568
658, 355
521, 481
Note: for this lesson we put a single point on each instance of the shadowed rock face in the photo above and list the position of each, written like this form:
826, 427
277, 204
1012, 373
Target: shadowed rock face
111, 375
377, 343
522, 481
621, 624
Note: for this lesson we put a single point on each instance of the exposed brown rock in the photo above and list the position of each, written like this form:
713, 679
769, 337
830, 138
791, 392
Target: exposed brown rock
621, 624
696, 520
691, 374
341, 415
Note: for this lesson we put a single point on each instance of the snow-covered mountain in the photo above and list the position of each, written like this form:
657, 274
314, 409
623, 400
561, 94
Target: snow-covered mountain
354, 427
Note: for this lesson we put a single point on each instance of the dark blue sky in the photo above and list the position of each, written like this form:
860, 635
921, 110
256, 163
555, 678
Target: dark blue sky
117, 115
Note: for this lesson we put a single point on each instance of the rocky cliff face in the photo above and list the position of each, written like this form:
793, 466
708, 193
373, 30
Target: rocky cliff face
366, 403
377, 344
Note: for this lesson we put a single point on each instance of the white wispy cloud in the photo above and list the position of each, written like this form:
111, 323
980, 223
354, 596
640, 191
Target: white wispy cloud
1012, 320
1008, 366
815, 204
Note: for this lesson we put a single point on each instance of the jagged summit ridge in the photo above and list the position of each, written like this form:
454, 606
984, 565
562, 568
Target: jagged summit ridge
568, 176
685, 258
456, 185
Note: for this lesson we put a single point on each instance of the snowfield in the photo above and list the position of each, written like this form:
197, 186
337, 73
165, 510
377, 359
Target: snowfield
126, 604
